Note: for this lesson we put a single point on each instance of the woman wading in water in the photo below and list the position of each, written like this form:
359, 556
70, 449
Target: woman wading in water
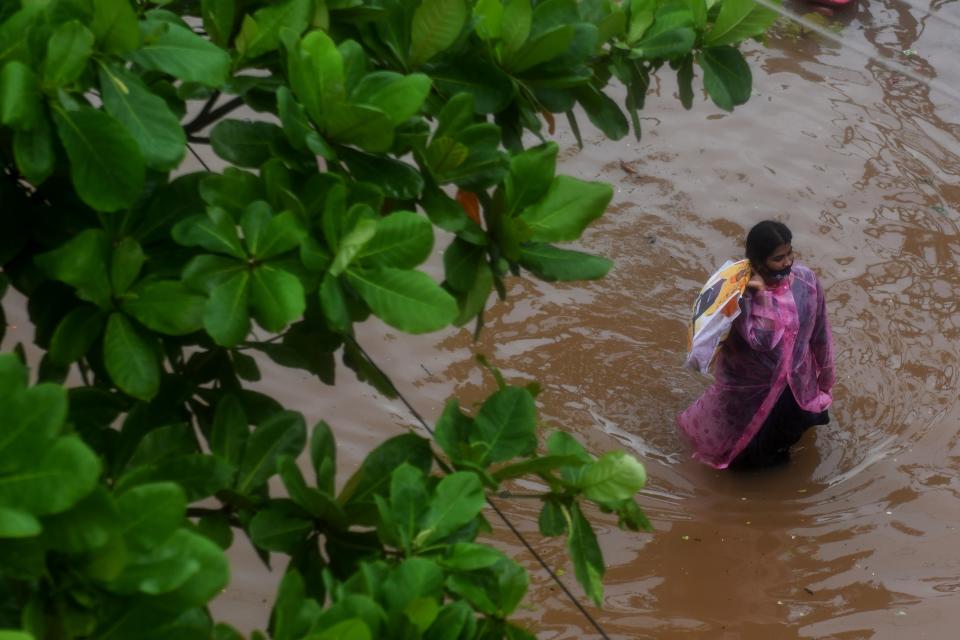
774, 372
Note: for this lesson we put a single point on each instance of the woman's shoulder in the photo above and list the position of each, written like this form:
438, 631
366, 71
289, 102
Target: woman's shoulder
806, 275
804, 272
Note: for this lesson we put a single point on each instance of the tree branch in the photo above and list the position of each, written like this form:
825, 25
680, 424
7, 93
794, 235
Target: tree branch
208, 115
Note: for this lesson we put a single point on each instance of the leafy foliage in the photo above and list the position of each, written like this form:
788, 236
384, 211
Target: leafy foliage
378, 121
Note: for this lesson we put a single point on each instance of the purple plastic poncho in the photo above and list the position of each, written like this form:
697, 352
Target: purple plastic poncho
781, 338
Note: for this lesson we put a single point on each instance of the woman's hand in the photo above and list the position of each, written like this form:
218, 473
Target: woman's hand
756, 282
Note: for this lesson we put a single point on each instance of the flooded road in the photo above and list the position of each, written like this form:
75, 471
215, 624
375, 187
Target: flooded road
857, 538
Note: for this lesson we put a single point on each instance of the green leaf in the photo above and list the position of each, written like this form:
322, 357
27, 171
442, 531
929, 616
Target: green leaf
323, 456
218, 19
373, 476
82, 263
319, 505
315, 67
452, 431
230, 433
216, 231
473, 302
506, 424
277, 297
283, 233
586, 555
198, 474
188, 569
366, 127
552, 264
204, 273
18, 524
531, 173
88, 525
33, 418
125, 265
685, 81
563, 444
106, 165
166, 306
217, 528
739, 20
16, 29
131, 358
641, 17
537, 465
491, 88
408, 501
447, 214
261, 34
613, 477
568, 207
65, 473
275, 529
68, 51
233, 190
284, 433
245, 366
542, 48
293, 117
352, 629
181, 53
407, 300
14, 376
671, 35
161, 443
75, 334
403, 240
334, 304
33, 151
413, 578
512, 582
395, 178
146, 116
552, 521
470, 556
456, 620
256, 216
243, 143
603, 112
19, 96
489, 19
422, 612
351, 245
458, 499
517, 19
399, 96
726, 76
436, 26
150, 513
115, 26
461, 262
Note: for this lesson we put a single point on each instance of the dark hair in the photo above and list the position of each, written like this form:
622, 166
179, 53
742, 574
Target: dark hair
764, 238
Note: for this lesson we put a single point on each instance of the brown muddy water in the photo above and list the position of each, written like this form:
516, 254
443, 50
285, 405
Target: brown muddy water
856, 538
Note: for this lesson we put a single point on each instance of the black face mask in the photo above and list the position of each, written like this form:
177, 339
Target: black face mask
779, 275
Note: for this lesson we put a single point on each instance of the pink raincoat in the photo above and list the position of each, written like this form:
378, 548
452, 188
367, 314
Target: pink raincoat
781, 338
